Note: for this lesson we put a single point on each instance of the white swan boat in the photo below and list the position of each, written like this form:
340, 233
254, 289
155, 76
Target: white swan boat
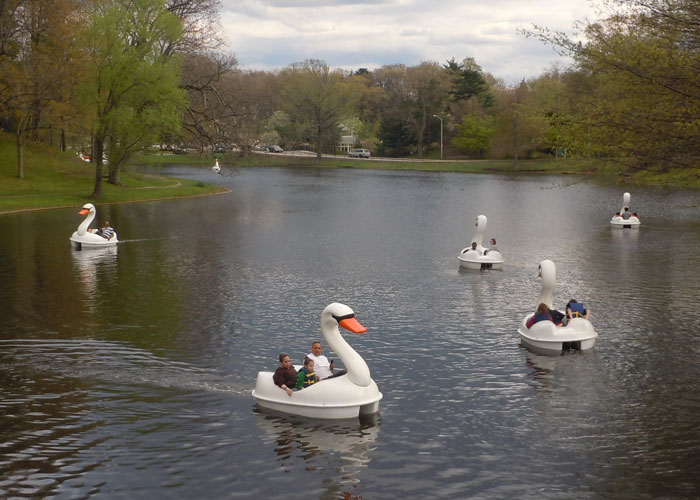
545, 336
346, 396
480, 258
84, 238
618, 221
216, 168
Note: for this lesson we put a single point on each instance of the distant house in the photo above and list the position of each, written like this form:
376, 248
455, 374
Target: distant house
347, 139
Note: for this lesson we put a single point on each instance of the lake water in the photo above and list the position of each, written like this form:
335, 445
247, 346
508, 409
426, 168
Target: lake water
127, 373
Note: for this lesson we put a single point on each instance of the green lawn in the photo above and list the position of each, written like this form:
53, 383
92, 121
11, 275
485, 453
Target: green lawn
55, 179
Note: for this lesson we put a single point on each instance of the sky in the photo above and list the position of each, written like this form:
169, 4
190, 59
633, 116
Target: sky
352, 34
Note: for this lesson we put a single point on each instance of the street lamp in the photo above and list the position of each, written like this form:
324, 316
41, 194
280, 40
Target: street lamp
436, 116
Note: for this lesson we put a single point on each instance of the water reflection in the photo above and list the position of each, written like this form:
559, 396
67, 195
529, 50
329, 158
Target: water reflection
342, 447
91, 265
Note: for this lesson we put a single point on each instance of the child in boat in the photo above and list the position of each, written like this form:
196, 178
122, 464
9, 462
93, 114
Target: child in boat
106, 232
576, 310
306, 376
542, 314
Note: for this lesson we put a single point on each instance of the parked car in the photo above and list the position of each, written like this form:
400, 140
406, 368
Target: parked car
359, 153
275, 149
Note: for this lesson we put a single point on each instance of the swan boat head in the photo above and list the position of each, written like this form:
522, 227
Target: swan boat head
625, 202
480, 225
339, 315
89, 210
548, 272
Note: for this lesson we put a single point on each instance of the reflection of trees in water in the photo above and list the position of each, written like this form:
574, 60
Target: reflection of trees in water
342, 448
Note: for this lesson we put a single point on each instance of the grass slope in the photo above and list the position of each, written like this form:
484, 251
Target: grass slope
56, 179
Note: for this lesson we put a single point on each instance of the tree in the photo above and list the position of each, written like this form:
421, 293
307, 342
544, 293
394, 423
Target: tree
129, 79
641, 65
211, 114
37, 64
468, 81
316, 97
474, 133
413, 95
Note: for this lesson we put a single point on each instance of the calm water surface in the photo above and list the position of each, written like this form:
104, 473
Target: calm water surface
127, 373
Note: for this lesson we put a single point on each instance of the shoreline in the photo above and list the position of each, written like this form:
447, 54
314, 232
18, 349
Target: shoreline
172, 198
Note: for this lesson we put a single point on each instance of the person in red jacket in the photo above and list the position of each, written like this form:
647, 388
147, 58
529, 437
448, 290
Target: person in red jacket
285, 376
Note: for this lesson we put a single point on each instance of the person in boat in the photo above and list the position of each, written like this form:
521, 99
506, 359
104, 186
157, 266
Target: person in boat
576, 310
626, 214
322, 366
285, 377
543, 313
306, 376
106, 232
492, 246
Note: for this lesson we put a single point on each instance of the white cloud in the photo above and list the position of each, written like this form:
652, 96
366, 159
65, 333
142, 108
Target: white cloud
267, 34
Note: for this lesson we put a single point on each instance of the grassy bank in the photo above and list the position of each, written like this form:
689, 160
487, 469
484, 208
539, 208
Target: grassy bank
55, 179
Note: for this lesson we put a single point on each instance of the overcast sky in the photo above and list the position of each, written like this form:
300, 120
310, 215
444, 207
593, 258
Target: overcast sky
351, 34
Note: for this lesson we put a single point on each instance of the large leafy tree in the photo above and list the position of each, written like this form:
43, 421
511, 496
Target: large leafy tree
131, 85
414, 94
642, 64
467, 81
473, 133
317, 98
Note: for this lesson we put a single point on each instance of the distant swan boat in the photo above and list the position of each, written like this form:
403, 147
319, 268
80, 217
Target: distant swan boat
481, 258
618, 220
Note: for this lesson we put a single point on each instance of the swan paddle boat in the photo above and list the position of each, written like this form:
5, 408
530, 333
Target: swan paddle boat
618, 221
216, 168
545, 336
349, 395
84, 237
481, 258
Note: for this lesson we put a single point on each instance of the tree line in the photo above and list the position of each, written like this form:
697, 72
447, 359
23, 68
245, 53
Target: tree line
112, 76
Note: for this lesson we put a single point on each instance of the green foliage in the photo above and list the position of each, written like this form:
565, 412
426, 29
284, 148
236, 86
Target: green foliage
639, 101
468, 81
395, 136
131, 91
474, 133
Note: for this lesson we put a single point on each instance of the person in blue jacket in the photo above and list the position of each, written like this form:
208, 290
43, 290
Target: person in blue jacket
576, 310
542, 314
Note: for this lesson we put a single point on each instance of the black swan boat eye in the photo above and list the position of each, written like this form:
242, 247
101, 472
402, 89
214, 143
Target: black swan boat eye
341, 318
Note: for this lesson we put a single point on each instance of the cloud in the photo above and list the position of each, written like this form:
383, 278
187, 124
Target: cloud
267, 34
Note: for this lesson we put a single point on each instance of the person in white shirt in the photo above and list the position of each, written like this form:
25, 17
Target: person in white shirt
322, 366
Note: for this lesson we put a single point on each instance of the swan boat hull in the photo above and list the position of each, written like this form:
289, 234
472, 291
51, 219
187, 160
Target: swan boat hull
91, 240
471, 259
620, 223
333, 398
546, 337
